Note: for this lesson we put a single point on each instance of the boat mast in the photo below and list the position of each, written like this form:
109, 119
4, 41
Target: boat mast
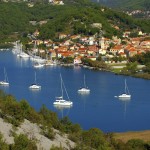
61, 85
126, 88
84, 81
5, 75
35, 78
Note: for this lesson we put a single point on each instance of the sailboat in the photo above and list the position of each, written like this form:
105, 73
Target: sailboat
60, 100
5, 82
126, 94
22, 54
34, 85
84, 89
36, 58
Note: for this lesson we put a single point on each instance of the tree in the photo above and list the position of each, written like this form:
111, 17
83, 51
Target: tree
49, 117
136, 144
3, 145
99, 58
23, 143
25, 108
68, 60
147, 68
95, 139
131, 67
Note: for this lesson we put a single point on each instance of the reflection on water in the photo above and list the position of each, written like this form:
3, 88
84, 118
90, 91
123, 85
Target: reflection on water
83, 93
60, 107
35, 93
125, 101
84, 97
35, 89
5, 88
22, 62
64, 110
124, 98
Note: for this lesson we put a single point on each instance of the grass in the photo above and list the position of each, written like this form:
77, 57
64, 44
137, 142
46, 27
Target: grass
124, 137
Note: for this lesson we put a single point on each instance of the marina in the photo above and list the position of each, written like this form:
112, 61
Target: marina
98, 109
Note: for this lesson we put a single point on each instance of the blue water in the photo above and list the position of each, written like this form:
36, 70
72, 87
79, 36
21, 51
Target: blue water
98, 109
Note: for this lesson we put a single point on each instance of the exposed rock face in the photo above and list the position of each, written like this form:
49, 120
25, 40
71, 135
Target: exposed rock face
33, 131
5, 129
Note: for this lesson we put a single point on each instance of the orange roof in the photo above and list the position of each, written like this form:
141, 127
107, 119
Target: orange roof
93, 48
117, 47
121, 53
82, 49
129, 46
132, 49
135, 39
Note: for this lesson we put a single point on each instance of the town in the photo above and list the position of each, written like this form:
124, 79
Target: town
113, 50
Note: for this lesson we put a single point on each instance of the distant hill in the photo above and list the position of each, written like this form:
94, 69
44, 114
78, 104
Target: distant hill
126, 4
75, 17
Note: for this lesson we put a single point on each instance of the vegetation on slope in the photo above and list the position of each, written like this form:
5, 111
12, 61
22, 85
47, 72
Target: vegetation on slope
75, 17
15, 112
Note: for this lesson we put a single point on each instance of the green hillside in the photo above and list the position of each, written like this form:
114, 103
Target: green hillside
74, 17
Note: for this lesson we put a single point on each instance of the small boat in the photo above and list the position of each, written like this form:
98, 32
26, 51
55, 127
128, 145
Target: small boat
22, 54
34, 57
84, 89
60, 100
126, 94
38, 65
34, 86
61, 107
49, 63
5, 82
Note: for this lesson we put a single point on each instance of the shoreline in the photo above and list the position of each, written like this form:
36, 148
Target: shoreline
145, 76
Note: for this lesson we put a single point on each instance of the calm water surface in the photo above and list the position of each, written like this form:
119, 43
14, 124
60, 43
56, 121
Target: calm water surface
98, 109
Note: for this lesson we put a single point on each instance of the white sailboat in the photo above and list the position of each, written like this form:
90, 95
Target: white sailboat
126, 94
35, 86
60, 100
84, 89
22, 54
5, 82
36, 58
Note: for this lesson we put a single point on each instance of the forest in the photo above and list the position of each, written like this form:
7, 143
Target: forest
74, 17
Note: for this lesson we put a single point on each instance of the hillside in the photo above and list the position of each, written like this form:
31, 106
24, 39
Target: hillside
72, 18
34, 133
22, 128
127, 4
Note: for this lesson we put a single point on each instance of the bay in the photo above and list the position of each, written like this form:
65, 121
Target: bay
99, 109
